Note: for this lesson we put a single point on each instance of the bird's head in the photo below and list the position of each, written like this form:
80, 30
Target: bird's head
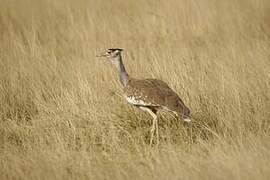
112, 54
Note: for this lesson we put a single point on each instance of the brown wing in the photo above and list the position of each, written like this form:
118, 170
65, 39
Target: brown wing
155, 93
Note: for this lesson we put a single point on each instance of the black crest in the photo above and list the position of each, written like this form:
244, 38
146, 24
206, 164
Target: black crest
114, 49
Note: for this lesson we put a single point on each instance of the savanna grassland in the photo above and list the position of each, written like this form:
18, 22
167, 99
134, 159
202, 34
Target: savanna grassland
62, 115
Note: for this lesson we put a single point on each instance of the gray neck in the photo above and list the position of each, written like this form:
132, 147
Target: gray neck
122, 71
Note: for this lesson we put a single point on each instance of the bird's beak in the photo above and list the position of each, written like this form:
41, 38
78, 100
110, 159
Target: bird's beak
102, 54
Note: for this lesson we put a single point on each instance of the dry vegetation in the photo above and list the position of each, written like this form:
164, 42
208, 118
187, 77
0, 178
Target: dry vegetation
60, 109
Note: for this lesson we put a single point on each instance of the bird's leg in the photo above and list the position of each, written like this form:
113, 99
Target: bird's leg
154, 125
153, 129
157, 132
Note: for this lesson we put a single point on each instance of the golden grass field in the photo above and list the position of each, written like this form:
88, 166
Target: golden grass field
62, 114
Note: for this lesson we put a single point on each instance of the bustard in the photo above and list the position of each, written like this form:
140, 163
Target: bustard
150, 95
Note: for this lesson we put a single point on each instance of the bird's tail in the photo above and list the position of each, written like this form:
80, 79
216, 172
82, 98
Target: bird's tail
186, 115
187, 119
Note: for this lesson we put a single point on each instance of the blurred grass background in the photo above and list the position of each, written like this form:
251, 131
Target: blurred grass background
62, 114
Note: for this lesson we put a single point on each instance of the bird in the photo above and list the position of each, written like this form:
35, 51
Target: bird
150, 95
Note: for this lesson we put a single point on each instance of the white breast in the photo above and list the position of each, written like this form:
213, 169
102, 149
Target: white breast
133, 100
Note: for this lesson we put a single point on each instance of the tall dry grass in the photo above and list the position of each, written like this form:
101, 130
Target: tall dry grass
61, 113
